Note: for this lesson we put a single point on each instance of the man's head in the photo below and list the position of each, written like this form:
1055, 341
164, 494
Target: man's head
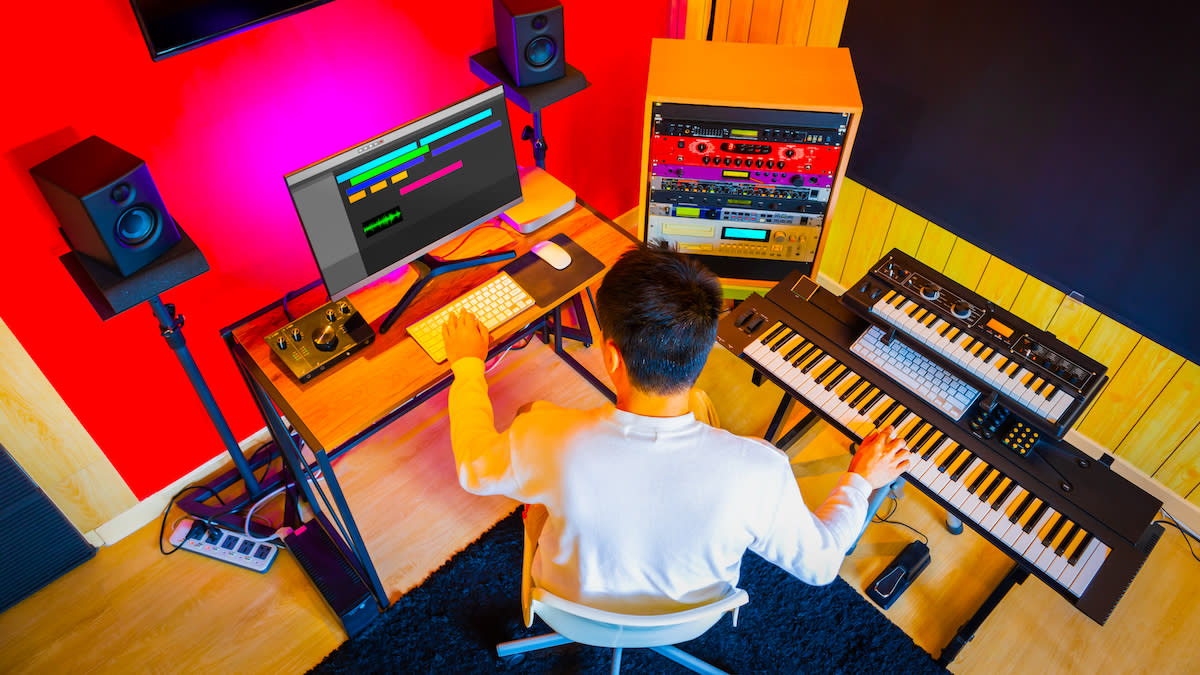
660, 309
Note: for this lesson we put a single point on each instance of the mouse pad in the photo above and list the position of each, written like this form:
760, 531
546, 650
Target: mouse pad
547, 284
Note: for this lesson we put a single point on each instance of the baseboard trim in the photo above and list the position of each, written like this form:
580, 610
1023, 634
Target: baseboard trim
151, 508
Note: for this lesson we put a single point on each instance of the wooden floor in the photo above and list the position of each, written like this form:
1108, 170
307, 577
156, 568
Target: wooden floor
130, 609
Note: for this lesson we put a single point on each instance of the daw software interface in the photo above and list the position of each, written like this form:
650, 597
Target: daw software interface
373, 207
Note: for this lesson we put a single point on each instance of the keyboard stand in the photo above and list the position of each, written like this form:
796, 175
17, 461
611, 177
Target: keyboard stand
427, 268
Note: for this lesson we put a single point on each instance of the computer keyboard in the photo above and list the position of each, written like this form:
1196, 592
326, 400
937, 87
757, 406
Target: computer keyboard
493, 302
923, 377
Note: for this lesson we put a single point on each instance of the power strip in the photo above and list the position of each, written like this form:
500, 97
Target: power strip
224, 545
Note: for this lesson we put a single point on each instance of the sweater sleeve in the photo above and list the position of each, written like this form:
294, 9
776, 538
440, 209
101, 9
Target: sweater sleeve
811, 545
482, 456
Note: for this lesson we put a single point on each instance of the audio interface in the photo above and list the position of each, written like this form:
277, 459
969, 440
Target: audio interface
320, 339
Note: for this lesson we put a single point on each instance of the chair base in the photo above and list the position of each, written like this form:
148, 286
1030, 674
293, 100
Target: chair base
514, 647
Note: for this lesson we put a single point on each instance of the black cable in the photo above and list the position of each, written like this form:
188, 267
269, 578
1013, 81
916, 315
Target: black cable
886, 519
288, 296
162, 528
511, 239
712, 18
1187, 536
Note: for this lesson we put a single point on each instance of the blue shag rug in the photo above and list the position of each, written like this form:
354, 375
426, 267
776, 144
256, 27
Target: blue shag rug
452, 622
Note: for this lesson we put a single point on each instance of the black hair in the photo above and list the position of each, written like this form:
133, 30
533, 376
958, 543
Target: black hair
660, 308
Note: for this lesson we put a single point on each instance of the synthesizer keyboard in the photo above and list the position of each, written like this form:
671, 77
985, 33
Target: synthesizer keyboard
1067, 519
1048, 382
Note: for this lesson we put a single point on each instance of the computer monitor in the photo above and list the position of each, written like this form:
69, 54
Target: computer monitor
388, 201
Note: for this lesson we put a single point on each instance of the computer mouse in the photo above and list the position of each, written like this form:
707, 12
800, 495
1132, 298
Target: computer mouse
552, 253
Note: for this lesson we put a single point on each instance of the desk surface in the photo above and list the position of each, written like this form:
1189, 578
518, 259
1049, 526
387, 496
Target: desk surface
340, 403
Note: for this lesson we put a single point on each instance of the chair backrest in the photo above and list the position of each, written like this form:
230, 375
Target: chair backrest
599, 628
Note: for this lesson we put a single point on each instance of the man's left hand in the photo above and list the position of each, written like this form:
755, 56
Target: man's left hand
465, 336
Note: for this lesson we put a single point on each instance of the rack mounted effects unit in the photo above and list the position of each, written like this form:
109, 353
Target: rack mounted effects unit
742, 164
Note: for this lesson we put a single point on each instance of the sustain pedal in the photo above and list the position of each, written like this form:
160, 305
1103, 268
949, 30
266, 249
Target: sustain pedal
224, 545
899, 575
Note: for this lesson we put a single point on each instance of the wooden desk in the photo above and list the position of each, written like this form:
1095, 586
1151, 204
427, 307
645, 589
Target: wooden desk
338, 405
354, 399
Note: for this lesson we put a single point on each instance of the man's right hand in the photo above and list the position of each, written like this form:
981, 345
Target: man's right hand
881, 457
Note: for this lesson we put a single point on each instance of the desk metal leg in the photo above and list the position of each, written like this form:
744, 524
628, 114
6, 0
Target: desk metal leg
562, 353
356, 540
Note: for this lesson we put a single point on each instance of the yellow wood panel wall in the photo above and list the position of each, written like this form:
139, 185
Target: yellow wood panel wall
44, 437
1148, 413
815, 23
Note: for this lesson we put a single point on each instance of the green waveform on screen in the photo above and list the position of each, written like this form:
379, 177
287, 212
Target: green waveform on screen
382, 221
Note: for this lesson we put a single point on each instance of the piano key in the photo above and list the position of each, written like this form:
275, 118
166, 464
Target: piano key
1060, 561
1003, 497
1029, 544
1090, 567
774, 332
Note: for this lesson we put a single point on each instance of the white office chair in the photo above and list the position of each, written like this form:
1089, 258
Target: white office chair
586, 625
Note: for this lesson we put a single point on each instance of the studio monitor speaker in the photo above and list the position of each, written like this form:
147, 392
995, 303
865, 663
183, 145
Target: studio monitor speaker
529, 37
107, 205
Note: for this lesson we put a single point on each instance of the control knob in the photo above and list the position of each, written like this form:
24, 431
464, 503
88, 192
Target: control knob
706, 159
345, 308
326, 339
701, 147
798, 180
330, 315
929, 291
789, 153
282, 342
296, 334
727, 147
961, 309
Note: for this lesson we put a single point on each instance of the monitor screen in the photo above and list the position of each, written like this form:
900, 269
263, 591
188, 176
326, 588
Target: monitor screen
383, 203
173, 26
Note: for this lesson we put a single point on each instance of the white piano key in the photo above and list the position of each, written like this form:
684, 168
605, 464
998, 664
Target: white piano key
989, 521
1070, 572
1061, 401
1025, 541
1088, 572
1057, 566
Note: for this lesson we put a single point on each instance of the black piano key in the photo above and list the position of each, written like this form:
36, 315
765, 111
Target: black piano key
934, 446
851, 389
925, 437
1022, 504
1073, 560
871, 402
1041, 386
1053, 532
912, 433
971, 342
863, 395
991, 488
795, 350
827, 371
886, 411
1062, 545
783, 340
989, 357
803, 355
957, 474
817, 359
900, 419
919, 314
837, 378
983, 475
774, 332
949, 459
1008, 489
1035, 518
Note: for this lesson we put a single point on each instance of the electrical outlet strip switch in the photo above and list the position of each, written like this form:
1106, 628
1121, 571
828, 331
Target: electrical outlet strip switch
224, 545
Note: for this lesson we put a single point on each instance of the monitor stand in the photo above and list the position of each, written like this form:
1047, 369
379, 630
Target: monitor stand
427, 268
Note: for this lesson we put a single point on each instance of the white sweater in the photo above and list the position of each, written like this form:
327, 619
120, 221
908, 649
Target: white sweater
647, 514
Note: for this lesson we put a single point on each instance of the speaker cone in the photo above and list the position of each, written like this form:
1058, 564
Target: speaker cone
540, 51
137, 226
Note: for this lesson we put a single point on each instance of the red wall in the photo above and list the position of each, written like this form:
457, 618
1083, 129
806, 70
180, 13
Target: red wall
218, 127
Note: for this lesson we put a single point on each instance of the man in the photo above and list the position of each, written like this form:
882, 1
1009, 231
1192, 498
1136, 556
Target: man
650, 510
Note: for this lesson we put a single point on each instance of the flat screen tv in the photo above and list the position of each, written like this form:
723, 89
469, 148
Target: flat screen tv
1059, 137
174, 26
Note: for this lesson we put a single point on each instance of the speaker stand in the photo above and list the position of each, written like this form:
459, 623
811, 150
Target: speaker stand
487, 66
